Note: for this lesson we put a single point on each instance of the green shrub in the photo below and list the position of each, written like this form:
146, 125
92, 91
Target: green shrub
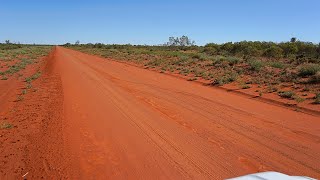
196, 56
315, 78
317, 98
210, 51
24, 91
227, 78
4, 77
232, 60
299, 99
33, 77
193, 79
217, 59
277, 64
29, 86
186, 71
182, 60
287, 94
271, 89
309, 70
245, 86
156, 62
255, 65
6, 126
273, 52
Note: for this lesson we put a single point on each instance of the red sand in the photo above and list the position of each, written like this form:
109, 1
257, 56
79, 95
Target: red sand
103, 119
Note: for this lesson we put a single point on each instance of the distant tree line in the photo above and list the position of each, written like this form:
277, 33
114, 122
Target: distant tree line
299, 50
8, 45
293, 49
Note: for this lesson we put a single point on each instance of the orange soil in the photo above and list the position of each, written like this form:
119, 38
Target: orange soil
5, 65
92, 119
307, 106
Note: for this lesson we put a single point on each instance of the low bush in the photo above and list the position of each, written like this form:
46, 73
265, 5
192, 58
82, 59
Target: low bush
287, 94
6, 126
4, 77
193, 79
315, 78
255, 65
218, 59
277, 64
309, 70
273, 52
156, 62
232, 60
182, 60
317, 98
196, 56
24, 91
185, 71
299, 99
245, 86
227, 78
33, 77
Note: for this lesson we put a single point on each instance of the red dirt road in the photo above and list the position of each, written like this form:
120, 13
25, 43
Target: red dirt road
124, 122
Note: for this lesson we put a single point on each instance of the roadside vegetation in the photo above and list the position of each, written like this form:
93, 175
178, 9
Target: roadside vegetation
269, 66
5, 125
16, 57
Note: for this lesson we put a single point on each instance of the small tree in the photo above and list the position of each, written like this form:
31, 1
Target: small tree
273, 52
250, 51
98, 45
7, 41
289, 49
211, 49
182, 41
293, 40
227, 47
77, 42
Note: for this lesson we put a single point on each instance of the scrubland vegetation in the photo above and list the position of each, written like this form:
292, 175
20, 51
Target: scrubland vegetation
15, 57
293, 65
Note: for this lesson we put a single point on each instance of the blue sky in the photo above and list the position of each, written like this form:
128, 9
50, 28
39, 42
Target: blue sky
153, 21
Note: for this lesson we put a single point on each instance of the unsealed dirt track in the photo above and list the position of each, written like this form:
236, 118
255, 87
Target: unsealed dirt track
124, 122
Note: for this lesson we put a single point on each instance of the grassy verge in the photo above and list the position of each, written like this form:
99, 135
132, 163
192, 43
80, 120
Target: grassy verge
14, 60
